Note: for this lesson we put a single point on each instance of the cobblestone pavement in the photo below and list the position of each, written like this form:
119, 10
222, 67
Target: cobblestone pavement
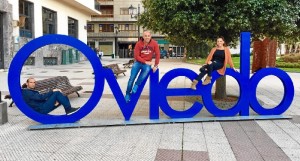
214, 140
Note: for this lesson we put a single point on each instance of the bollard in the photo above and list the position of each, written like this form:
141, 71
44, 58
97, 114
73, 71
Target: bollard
3, 112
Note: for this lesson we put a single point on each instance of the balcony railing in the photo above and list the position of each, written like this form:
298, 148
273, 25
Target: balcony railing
106, 2
103, 16
124, 34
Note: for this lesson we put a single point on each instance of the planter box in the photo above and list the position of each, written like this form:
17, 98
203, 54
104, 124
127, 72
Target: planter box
3, 113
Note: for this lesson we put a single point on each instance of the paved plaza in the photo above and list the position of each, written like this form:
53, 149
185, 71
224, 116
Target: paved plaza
265, 140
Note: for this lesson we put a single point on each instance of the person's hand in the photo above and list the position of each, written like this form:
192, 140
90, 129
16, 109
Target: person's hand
154, 69
235, 69
209, 62
56, 90
149, 63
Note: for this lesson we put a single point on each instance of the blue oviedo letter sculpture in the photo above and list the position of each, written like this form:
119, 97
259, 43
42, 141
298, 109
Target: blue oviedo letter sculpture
158, 88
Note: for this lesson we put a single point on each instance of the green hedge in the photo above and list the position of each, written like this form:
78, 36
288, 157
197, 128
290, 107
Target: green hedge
281, 64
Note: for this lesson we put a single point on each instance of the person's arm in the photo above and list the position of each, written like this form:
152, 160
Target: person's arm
34, 95
157, 55
230, 62
209, 57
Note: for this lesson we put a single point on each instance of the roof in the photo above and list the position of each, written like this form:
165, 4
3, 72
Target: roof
83, 8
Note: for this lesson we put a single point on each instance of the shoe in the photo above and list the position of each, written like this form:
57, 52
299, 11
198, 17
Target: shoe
135, 88
194, 83
127, 98
72, 110
207, 80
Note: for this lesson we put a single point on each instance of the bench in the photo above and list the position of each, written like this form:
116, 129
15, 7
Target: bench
59, 82
115, 68
129, 64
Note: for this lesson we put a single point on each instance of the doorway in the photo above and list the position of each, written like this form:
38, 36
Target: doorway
124, 49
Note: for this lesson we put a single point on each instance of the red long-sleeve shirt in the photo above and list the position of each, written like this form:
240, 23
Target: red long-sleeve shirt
144, 52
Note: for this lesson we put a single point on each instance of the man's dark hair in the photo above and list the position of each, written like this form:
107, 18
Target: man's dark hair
29, 79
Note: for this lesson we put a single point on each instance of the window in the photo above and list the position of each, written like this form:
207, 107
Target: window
124, 11
90, 27
97, 6
127, 27
72, 27
49, 21
26, 9
106, 27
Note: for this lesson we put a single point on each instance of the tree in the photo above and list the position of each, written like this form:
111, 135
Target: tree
192, 22
195, 21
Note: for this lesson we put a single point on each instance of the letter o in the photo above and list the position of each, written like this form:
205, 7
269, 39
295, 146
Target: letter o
288, 91
242, 103
24, 53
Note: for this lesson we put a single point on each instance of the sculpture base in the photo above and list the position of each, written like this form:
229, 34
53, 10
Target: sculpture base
145, 121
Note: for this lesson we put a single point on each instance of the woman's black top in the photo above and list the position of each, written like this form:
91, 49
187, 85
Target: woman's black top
219, 56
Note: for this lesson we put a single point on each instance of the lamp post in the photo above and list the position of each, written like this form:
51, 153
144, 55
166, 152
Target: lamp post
116, 40
133, 14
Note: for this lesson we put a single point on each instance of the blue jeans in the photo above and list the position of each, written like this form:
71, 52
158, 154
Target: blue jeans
137, 67
49, 106
208, 69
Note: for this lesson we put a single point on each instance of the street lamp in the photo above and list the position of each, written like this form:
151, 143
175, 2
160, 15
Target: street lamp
133, 14
116, 40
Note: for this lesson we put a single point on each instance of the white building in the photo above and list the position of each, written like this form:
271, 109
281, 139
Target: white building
24, 20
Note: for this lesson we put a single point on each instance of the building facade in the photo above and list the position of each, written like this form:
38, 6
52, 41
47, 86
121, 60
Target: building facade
24, 20
6, 32
115, 31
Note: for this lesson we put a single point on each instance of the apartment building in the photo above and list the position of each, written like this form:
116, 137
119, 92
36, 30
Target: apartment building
115, 31
24, 20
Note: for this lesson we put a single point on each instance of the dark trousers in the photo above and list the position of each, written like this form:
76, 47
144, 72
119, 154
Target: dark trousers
49, 105
208, 69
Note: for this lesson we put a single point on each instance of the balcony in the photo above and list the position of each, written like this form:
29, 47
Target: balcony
102, 16
121, 34
106, 2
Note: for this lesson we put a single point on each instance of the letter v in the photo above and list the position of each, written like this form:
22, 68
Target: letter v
126, 108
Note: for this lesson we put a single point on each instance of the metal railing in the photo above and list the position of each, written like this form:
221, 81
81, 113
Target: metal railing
120, 34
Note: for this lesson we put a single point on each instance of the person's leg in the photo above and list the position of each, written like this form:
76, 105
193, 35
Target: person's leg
203, 72
143, 75
136, 67
49, 105
211, 67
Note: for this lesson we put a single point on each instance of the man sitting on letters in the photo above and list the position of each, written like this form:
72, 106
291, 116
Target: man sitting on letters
47, 102
144, 50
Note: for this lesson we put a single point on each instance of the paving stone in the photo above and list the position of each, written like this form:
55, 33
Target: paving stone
188, 141
171, 155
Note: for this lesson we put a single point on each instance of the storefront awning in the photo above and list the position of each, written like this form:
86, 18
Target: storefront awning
163, 42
